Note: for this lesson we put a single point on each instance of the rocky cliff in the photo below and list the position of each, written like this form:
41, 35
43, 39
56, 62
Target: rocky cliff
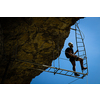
33, 39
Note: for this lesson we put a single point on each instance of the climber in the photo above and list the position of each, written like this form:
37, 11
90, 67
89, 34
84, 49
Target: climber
72, 57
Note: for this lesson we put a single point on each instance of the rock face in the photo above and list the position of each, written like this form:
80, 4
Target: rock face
33, 39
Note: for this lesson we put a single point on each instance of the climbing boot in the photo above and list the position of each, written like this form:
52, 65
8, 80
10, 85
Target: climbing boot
76, 74
84, 68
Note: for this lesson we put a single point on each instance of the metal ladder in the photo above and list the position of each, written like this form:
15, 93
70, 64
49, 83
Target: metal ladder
80, 45
51, 69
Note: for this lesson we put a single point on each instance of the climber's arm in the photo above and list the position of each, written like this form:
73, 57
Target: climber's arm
76, 52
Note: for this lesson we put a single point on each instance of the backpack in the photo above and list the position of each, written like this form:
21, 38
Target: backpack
67, 55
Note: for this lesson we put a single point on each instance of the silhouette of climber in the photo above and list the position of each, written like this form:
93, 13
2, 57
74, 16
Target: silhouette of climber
72, 57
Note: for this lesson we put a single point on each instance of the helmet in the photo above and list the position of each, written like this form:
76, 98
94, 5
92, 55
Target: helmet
70, 43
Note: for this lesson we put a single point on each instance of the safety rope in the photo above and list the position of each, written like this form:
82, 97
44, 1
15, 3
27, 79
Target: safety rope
87, 79
77, 79
73, 81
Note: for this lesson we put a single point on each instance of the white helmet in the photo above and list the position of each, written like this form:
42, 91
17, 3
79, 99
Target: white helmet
70, 43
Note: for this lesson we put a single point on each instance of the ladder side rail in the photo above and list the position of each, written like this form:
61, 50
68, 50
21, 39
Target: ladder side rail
47, 66
81, 38
76, 37
40, 69
83, 46
62, 73
79, 29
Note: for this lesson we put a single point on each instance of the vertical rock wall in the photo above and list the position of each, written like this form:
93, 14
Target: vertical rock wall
32, 39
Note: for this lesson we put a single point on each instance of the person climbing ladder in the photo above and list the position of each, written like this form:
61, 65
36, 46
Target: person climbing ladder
72, 57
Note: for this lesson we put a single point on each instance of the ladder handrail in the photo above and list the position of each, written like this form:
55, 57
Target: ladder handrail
56, 69
81, 37
80, 31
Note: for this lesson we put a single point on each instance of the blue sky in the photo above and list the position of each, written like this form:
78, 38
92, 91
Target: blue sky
90, 27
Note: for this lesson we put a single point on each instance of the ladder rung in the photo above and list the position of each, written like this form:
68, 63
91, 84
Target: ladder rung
79, 38
78, 34
61, 71
84, 58
82, 55
85, 64
79, 42
49, 69
81, 50
72, 74
66, 72
80, 46
55, 71
73, 29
